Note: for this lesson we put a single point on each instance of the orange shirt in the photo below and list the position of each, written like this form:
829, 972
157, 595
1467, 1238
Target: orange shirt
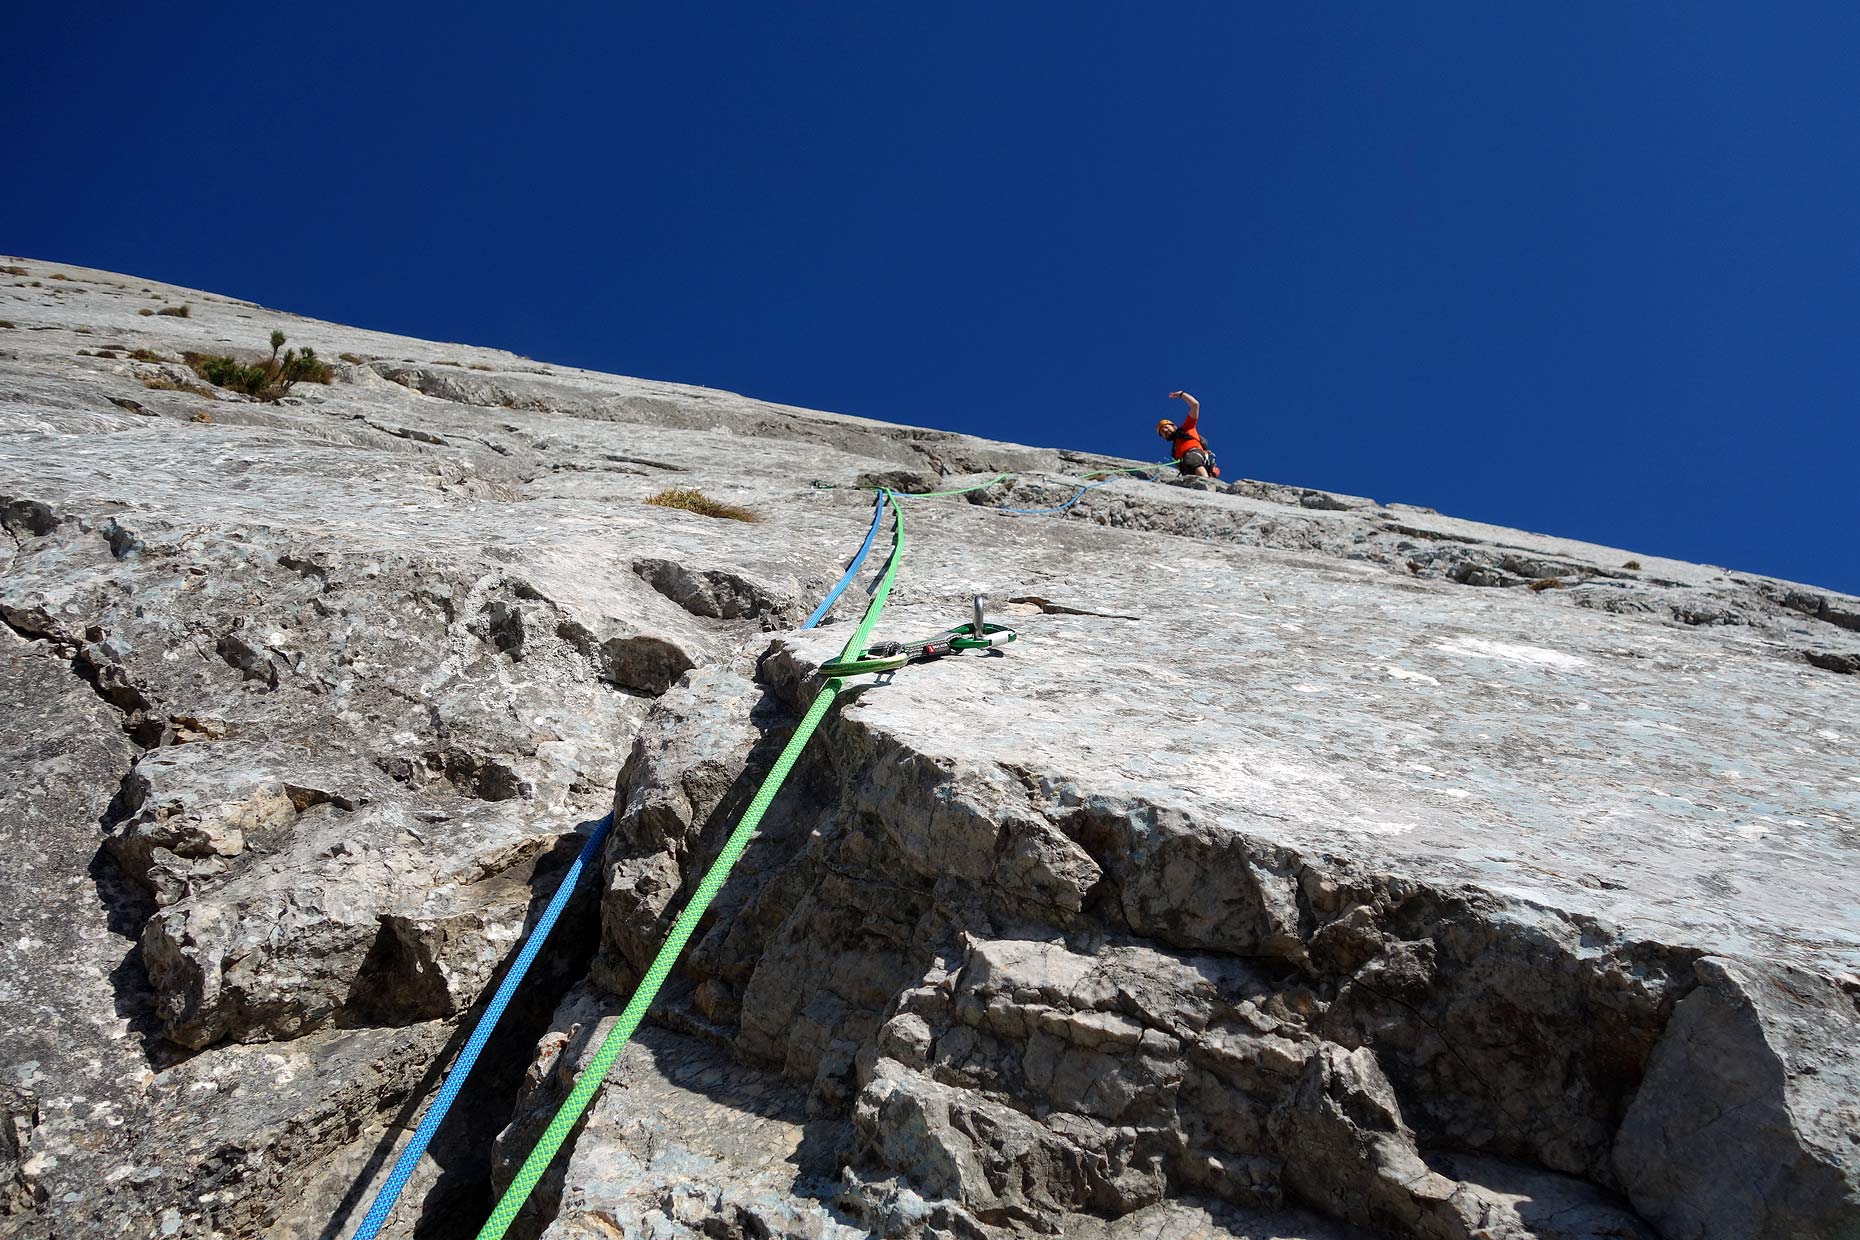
1186, 438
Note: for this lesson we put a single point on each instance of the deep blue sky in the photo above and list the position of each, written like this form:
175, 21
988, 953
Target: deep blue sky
1591, 269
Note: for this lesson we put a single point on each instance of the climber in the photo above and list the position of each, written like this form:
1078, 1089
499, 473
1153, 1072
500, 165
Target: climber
1192, 457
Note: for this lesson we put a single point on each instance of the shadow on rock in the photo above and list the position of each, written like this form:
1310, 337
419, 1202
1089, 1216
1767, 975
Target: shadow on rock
127, 907
458, 1199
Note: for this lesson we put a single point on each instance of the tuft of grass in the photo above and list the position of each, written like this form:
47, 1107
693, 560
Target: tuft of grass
482, 366
702, 504
446, 361
9, 324
145, 312
177, 312
201, 415
1632, 564
1547, 583
145, 355
162, 383
59, 275
353, 359
14, 271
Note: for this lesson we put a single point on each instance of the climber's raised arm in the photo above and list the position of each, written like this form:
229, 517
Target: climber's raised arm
1194, 408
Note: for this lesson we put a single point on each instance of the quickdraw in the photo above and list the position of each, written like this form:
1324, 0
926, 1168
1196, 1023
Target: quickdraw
890, 656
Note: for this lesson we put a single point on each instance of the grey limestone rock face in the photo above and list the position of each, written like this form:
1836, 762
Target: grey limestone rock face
1748, 1121
1311, 867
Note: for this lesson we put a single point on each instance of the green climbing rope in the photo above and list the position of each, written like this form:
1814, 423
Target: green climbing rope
980, 486
853, 659
595, 1074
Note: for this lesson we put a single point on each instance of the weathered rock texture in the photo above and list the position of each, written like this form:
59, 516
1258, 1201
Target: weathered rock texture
1311, 868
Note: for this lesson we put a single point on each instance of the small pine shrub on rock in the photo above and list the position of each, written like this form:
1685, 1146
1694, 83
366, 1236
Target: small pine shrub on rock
177, 312
227, 372
270, 379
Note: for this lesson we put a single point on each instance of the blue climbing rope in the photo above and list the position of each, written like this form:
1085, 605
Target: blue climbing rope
1076, 497
1112, 475
409, 1158
1041, 512
852, 570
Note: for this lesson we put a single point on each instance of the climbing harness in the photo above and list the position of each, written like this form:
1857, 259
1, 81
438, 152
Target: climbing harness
1188, 462
890, 656
856, 658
